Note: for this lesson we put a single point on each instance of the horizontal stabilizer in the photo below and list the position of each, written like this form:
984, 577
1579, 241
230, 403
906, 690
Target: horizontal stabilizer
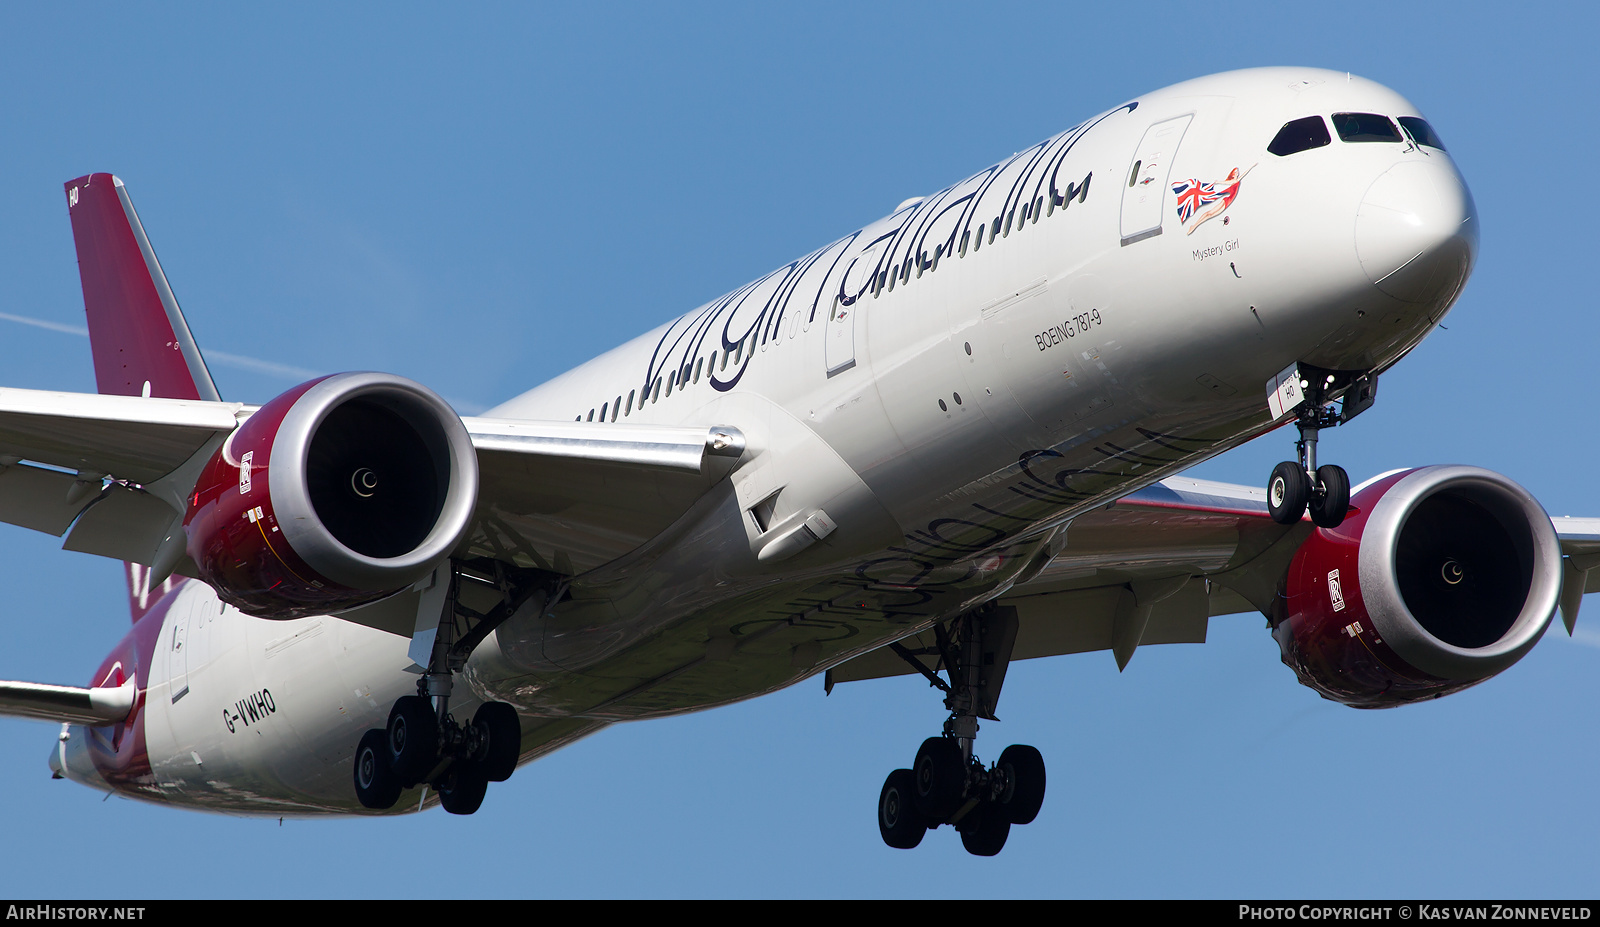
70, 704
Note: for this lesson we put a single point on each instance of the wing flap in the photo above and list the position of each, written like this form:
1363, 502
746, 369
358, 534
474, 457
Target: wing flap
1119, 581
36, 498
1079, 621
124, 524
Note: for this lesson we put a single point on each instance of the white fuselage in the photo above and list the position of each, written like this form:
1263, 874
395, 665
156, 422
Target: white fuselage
946, 386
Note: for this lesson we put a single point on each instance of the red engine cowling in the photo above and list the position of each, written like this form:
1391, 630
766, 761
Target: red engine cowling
337, 493
1440, 578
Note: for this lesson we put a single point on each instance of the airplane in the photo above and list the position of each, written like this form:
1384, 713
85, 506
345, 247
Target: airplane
942, 442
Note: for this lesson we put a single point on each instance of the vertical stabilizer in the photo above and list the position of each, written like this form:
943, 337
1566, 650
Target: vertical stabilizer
141, 344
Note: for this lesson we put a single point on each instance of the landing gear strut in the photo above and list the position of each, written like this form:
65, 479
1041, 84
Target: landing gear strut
948, 783
423, 742
1296, 486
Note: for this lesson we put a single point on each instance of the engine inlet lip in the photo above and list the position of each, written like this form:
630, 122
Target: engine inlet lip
297, 517
1380, 588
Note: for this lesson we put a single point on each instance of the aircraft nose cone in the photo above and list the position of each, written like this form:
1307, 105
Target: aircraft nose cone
1417, 231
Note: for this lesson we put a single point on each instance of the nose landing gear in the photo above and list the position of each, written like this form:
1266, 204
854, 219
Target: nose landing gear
1296, 487
423, 742
947, 783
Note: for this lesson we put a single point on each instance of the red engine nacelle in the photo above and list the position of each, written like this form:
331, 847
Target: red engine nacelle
1440, 578
337, 493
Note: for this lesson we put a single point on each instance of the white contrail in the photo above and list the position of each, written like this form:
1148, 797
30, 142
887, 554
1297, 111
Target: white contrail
219, 357
224, 359
41, 323
259, 366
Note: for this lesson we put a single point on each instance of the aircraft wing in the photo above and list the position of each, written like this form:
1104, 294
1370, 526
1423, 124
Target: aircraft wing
137, 439
1155, 566
569, 496
565, 496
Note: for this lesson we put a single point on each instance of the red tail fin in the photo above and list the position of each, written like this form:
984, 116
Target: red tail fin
141, 344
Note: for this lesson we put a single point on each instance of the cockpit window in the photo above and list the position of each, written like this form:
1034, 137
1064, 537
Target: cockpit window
1365, 127
1421, 132
1300, 135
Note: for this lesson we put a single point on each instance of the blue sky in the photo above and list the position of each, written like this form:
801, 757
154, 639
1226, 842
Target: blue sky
480, 200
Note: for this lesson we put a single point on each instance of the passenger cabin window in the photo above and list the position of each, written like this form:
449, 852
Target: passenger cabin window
1421, 132
1300, 135
1365, 127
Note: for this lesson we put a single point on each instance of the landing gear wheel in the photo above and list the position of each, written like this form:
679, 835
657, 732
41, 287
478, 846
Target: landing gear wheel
413, 739
1287, 493
462, 789
1328, 509
939, 775
376, 785
1023, 795
901, 825
497, 723
986, 835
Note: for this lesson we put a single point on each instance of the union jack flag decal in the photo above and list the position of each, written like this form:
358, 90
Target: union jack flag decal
1199, 202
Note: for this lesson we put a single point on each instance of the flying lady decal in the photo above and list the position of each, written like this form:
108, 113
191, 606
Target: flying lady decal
1198, 202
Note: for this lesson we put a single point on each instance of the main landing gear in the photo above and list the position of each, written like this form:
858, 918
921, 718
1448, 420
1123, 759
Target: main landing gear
423, 742
947, 783
1296, 487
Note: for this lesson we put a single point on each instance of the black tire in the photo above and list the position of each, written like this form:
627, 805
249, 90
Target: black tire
462, 789
413, 739
1288, 491
1328, 511
986, 834
939, 776
376, 785
1023, 768
899, 821
497, 723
